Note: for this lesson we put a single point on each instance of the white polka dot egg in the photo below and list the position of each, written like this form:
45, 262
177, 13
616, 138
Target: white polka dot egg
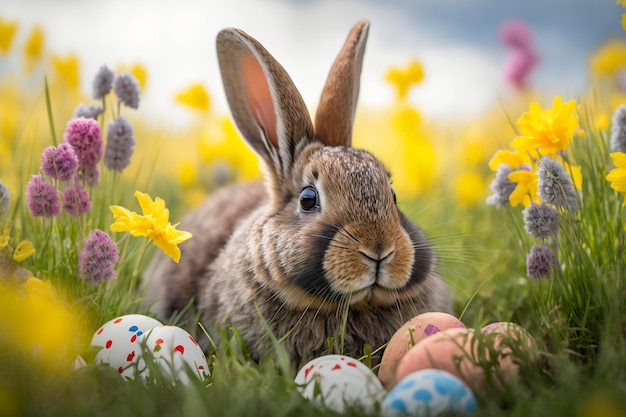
175, 352
338, 382
429, 392
118, 342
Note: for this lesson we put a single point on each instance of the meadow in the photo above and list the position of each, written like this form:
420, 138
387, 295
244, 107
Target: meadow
524, 205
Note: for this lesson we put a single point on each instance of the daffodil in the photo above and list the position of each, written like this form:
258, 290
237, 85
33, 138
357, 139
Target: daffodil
7, 32
404, 78
195, 97
153, 224
547, 131
526, 190
24, 250
68, 70
617, 177
512, 159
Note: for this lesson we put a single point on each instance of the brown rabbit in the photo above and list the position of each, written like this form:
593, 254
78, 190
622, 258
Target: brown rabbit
323, 237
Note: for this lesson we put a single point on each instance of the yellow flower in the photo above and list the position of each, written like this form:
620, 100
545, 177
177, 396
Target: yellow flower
610, 58
7, 31
139, 72
621, 3
624, 21
617, 177
4, 241
403, 79
34, 45
547, 131
513, 159
195, 96
68, 70
469, 188
23, 250
153, 224
527, 187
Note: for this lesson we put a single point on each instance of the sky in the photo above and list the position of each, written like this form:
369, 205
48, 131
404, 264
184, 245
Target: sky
455, 40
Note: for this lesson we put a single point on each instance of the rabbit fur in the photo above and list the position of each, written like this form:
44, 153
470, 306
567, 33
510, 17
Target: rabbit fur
322, 237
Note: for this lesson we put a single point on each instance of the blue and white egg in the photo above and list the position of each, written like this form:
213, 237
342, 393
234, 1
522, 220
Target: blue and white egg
429, 392
339, 382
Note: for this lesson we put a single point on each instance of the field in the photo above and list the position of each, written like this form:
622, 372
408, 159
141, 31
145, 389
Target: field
524, 206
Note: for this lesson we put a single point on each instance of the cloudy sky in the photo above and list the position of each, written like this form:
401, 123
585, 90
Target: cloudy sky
456, 41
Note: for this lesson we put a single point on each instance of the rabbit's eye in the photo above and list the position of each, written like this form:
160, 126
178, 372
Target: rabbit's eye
308, 199
393, 193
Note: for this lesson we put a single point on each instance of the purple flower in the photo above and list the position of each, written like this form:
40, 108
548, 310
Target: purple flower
89, 175
120, 144
85, 137
103, 82
517, 36
555, 185
501, 186
618, 130
97, 259
42, 198
539, 262
541, 221
88, 112
515, 33
59, 162
76, 200
127, 90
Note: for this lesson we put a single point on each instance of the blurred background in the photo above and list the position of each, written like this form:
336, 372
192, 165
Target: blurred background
456, 41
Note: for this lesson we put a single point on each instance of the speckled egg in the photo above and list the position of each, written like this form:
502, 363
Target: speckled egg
411, 333
175, 352
513, 343
118, 342
429, 393
338, 382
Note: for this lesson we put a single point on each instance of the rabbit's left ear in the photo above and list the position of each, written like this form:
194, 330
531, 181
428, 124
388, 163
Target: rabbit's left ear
334, 117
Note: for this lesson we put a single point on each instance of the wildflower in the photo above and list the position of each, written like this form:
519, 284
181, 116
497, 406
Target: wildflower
97, 259
89, 175
85, 137
526, 189
617, 177
547, 131
514, 159
539, 262
103, 82
68, 70
76, 200
88, 112
7, 32
34, 45
555, 185
195, 97
120, 144
59, 162
541, 221
24, 250
153, 224
624, 21
516, 35
618, 130
127, 90
501, 186
403, 79
610, 58
42, 198
469, 187
5, 198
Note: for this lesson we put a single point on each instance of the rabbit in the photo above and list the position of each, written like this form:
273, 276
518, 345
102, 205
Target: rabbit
317, 252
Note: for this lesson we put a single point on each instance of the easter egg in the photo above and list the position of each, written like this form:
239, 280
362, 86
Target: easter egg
117, 340
512, 343
450, 350
174, 352
428, 393
338, 382
411, 333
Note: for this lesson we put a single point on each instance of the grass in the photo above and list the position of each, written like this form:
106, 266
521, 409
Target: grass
576, 316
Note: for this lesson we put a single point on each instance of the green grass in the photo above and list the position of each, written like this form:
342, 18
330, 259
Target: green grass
576, 316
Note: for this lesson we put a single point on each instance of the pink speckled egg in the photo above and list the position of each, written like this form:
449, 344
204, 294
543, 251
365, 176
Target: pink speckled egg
411, 333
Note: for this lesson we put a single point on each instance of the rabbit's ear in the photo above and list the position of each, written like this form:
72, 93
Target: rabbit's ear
265, 104
334, 117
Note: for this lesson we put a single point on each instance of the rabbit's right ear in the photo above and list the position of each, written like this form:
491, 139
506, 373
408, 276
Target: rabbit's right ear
265, 104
